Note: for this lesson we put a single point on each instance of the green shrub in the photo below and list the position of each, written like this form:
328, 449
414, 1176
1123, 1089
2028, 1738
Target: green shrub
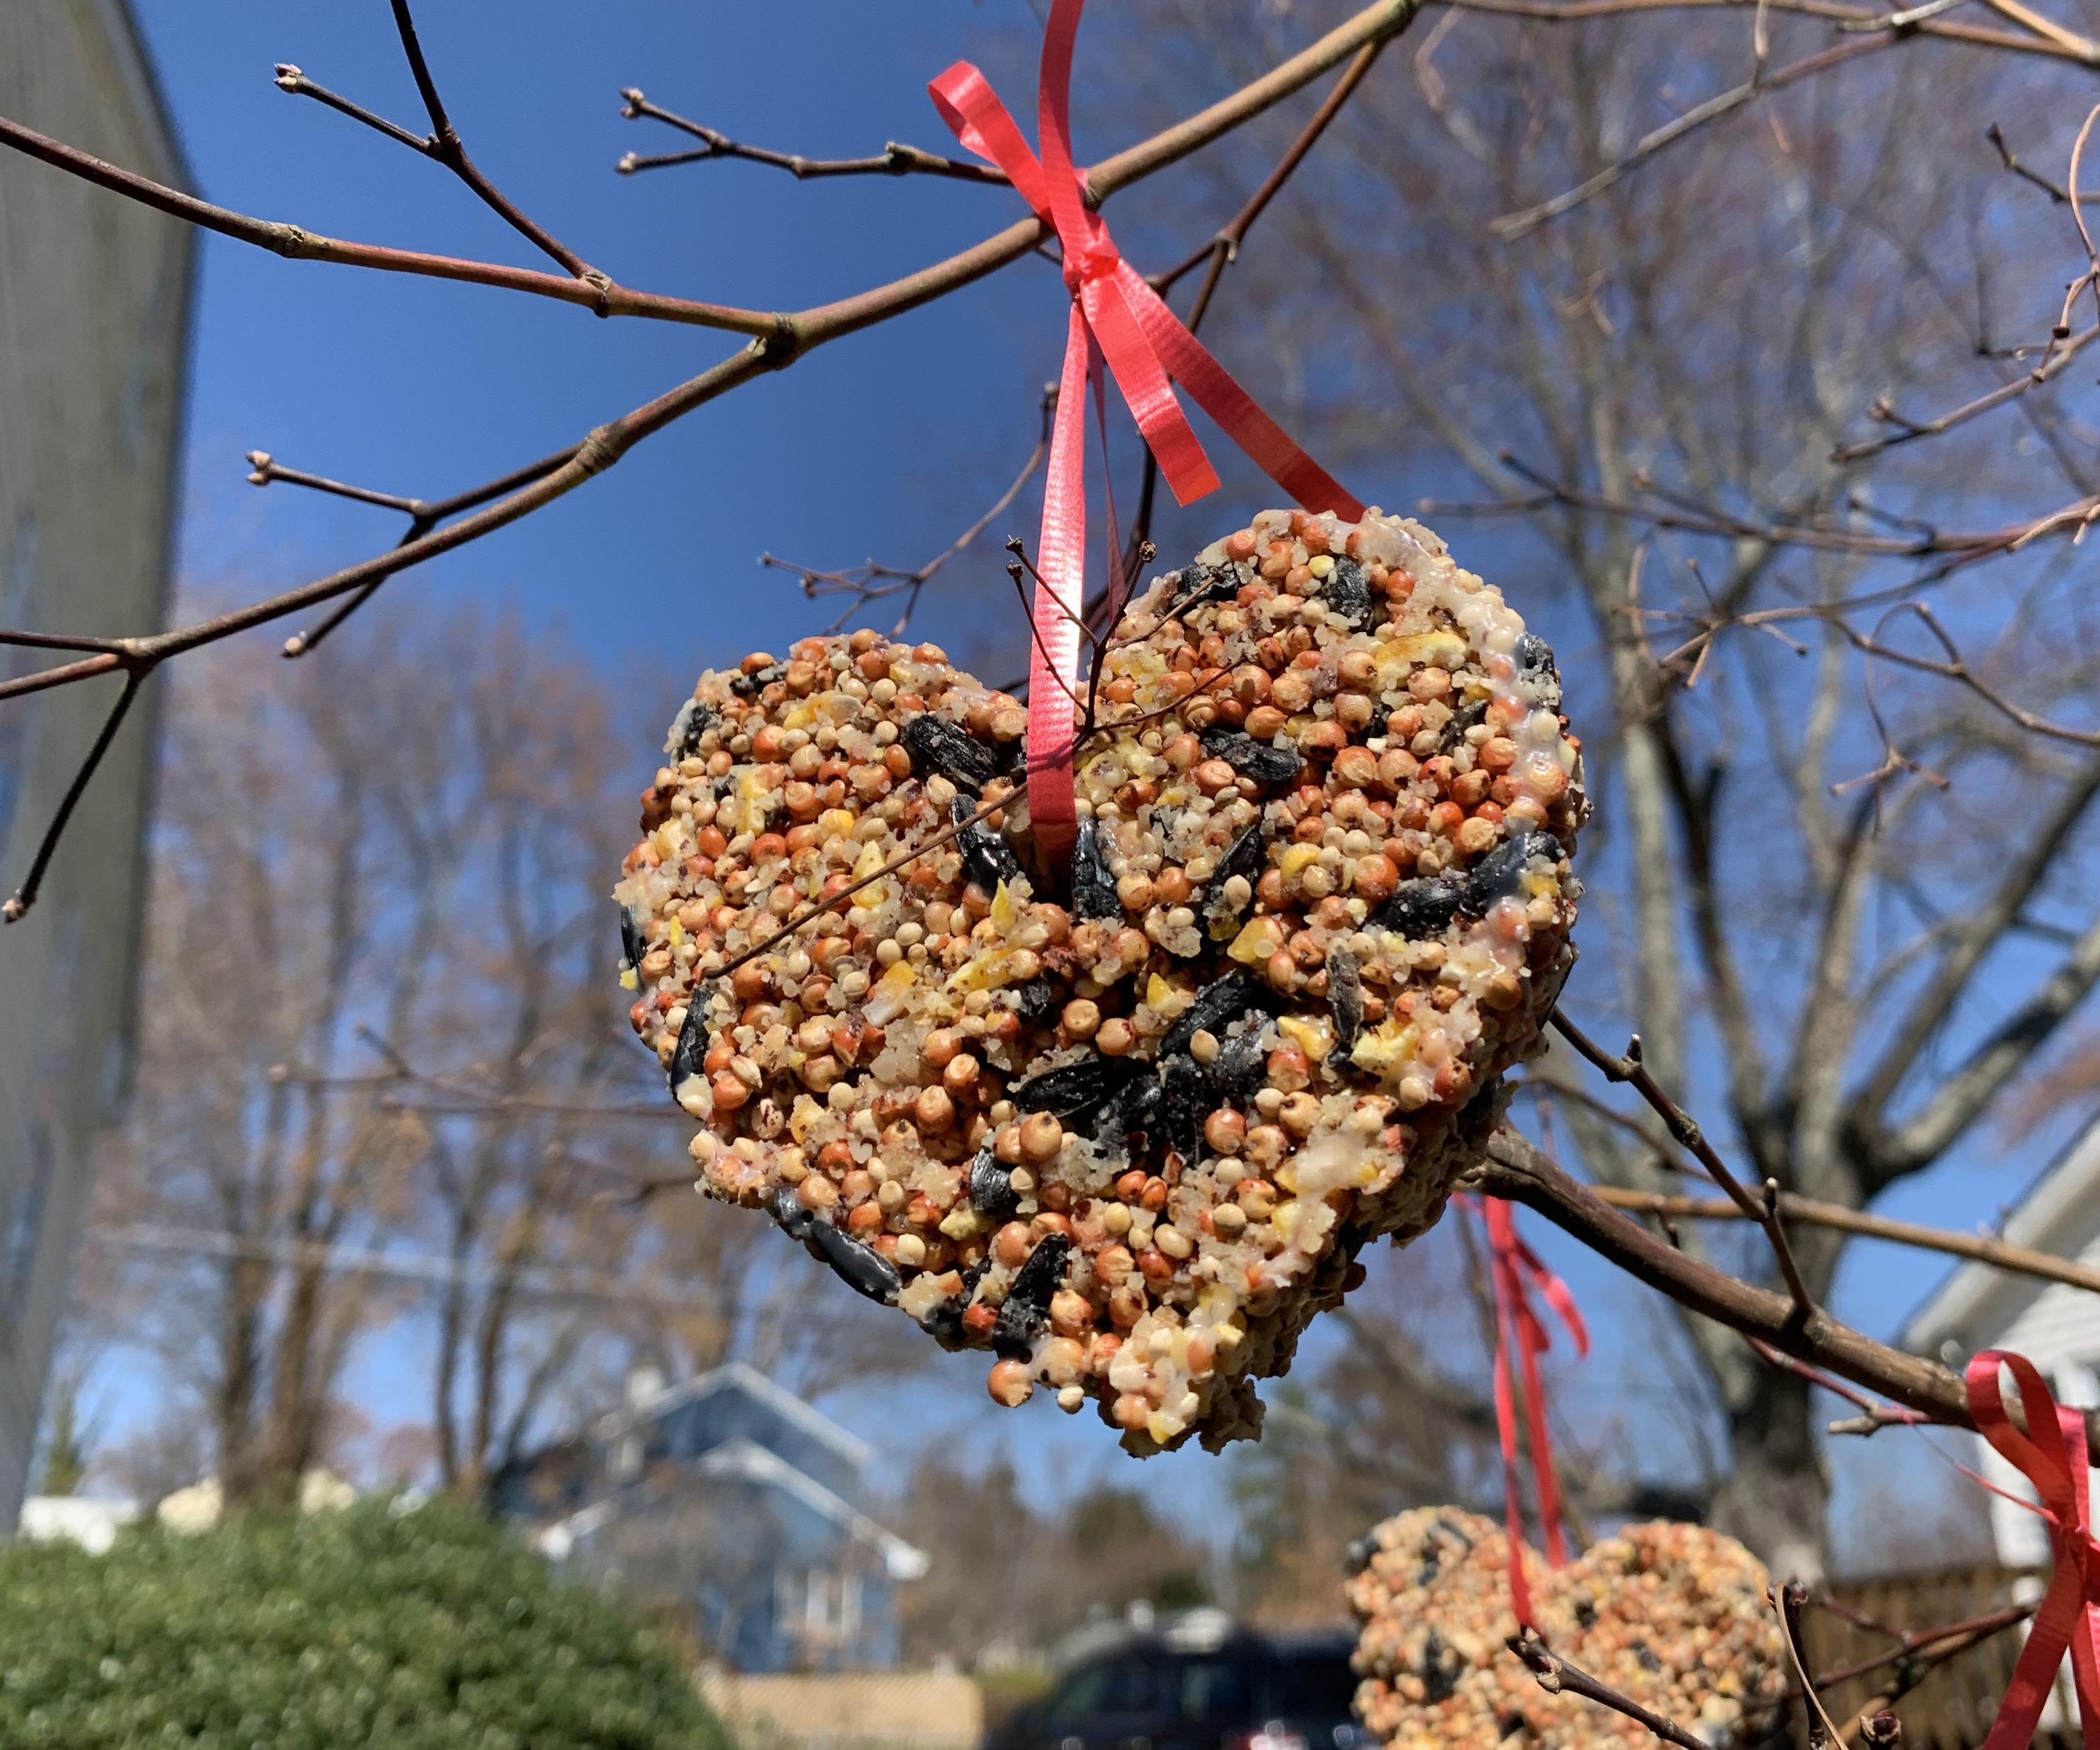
423, 1630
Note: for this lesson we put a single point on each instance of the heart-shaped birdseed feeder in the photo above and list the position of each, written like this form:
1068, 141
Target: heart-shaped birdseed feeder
1672, 1616
1126, 1122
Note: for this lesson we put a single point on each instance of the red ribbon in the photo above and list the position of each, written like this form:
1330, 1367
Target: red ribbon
1115, 317
2068, 1618
1514, 1270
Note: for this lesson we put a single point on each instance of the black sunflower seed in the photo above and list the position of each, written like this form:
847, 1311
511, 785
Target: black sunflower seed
858, 1264
1357, 1556
1253, 759
1227, 1000
943, 1322
1472, 711
1135, 1112
693, 721
1185, 1097
1075, 1091
1440, 1669
1196, 584
1243, 858
1345, 999
1094, 887
797, 1222
1534, 655
992, 1194
1348, 592
688, 1055
1419, 908
1500, 873
1646, 1655
936, 745
1034, 997
1242, 1066
987, 858
630, 938
750, 686
1028, 1300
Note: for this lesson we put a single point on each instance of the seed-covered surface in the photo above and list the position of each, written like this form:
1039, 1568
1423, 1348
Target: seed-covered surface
1672, 1615
1125, 1123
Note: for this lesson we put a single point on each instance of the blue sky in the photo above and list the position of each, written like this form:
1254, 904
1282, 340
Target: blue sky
883, 445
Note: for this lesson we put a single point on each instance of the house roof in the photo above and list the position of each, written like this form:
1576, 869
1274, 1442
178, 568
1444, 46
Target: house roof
735, 1376
752, 1462
2058, 1212
748, 1461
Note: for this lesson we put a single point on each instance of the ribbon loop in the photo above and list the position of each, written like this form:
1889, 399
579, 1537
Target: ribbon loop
1147, 348
2051, 1454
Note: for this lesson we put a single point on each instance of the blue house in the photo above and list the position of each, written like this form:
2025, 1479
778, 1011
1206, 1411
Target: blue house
731, 1497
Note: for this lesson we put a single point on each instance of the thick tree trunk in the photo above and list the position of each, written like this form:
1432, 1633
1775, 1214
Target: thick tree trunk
1776, 1500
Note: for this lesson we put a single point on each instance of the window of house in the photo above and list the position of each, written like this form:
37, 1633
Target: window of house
822, 1605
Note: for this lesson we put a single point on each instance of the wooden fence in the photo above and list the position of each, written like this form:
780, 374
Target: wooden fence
873, 1710
1953, 1707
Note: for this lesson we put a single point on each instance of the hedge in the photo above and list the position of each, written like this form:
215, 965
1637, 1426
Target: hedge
421, 1629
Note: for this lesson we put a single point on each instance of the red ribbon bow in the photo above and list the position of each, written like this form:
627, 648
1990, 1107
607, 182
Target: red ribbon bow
1117, 317
2051, 1455
1514, 1269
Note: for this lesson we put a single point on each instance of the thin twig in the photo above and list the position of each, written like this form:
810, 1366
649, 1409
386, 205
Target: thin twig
1996, 136
1222, 250
423, 514
1852, 1394
1557, 1676
1763, 1210
1630, 1071
1945, 30
1512, 225
446, 147
1774, 1227
872, 582
1912, 431
1786, 1601
292, 80
1938, 1644
25, 896
295, 243
895, 159
2022, 1259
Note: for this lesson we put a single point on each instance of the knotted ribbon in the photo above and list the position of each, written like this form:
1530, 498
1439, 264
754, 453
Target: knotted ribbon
1117, 317
2052, 1456
1514, 1270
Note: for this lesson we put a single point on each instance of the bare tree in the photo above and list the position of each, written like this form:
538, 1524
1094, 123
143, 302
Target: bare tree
1060, 1562
1662, 403
385, 1077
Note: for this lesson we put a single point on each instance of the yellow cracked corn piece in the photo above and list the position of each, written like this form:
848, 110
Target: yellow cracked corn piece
1127, 1122
1673, 1615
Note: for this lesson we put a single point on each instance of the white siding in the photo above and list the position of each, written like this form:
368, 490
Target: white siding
94, 294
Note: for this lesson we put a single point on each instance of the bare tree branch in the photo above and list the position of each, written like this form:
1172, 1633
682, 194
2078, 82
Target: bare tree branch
779, 339
895, 159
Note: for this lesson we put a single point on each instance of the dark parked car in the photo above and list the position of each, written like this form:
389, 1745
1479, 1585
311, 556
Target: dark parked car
1242, 1690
